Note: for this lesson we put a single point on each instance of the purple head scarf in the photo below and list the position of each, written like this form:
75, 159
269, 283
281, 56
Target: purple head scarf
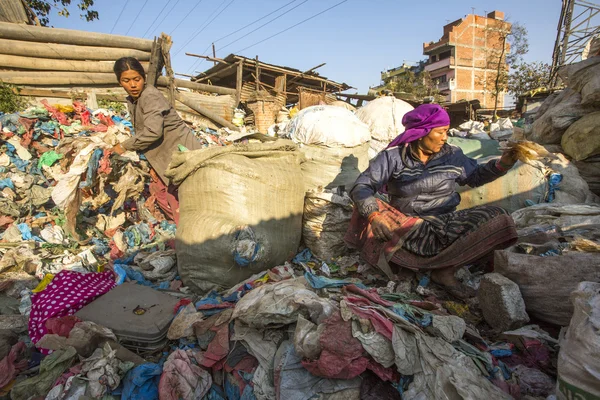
420, 121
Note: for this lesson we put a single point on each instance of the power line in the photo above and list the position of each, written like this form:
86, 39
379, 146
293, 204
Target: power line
167, 14
194, 35
253, 22
263, 25
119, 17
186, 17
199, 62
157, 17
293, 26
136, 17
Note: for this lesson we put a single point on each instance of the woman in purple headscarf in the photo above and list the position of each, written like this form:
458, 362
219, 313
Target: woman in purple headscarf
420, 227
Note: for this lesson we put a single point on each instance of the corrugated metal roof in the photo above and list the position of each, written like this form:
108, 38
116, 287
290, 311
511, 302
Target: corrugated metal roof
13, 11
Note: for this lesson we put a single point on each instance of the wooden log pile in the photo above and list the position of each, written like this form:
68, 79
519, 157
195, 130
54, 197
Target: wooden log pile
52, 62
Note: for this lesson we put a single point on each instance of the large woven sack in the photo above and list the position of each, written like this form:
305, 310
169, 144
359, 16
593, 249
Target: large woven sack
584, 77
330, 167
582, 139
329, 126
240, 211
325, 222
573, 189
384, 118
589, 169
579, 356
547, 282
564, 111
511, 191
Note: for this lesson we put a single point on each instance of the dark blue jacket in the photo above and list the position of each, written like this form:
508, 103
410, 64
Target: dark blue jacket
419, 189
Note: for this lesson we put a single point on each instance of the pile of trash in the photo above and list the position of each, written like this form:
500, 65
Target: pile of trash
570, 118
292, 332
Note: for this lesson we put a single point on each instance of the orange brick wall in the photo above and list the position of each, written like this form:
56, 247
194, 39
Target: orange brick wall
476, 48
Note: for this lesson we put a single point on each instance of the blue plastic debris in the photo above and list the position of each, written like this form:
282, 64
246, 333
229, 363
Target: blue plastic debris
141, 382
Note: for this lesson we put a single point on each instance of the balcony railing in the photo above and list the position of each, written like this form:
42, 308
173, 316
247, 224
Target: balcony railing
446, 62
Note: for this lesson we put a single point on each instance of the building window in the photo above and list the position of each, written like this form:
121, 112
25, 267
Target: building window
446, 54
440, 79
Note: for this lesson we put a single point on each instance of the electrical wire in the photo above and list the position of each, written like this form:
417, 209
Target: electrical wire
119, 17
169, 13
194, 35
157, 17
263, 25
253, 22
199, 62
183, 19
293, 26
136, 17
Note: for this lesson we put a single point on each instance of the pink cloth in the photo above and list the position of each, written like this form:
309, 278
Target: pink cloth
67, 293
12, 364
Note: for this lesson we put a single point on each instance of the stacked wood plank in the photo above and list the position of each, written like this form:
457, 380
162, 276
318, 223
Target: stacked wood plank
61, 63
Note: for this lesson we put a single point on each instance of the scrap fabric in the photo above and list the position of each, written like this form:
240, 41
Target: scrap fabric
65, 295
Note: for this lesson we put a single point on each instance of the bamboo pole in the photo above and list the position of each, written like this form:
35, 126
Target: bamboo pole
49, 64
208, 114
162, 81
69, 36
34, 78
67, 51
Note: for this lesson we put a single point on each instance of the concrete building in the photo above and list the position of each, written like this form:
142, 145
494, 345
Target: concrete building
463, 62
390, 75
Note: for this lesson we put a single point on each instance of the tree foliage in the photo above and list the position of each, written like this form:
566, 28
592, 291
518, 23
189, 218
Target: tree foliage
512, 46
42, 9
10, 99
524, 77
418, 84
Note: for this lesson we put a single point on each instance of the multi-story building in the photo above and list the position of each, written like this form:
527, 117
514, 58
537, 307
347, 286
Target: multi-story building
463, 63
390, 75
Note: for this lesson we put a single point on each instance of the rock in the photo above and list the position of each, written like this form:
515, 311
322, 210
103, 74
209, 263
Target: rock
501, 302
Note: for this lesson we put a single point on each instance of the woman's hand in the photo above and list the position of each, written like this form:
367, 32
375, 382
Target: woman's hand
508, 159
118, 149
381, 228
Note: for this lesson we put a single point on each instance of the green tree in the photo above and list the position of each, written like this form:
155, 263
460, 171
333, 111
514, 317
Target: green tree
42, 9
524, 77
419, 85
512, 46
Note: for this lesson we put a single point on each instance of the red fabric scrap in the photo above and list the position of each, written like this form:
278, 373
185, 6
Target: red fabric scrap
105, 119
104, 164
115, 253
385, 374
76, 370
82, 113
26, 139
181, 303
62, 326
10, 367
342, 354
381, 324
360, 234
370, 294
57, 115
247, 364
27, 123
218, 347
5, 221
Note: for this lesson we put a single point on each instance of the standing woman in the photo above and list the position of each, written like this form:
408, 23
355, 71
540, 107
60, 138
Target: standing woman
158, 128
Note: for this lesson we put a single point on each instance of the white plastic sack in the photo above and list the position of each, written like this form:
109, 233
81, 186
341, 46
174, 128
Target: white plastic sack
472, 127
327, 126
579, 357
384, 117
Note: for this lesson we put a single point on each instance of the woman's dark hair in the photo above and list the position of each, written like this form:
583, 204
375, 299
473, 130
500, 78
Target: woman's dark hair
126, 64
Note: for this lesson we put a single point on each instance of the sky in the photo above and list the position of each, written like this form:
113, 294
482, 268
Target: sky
357, 39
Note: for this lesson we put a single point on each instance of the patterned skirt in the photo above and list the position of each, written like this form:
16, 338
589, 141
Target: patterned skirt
438, 232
